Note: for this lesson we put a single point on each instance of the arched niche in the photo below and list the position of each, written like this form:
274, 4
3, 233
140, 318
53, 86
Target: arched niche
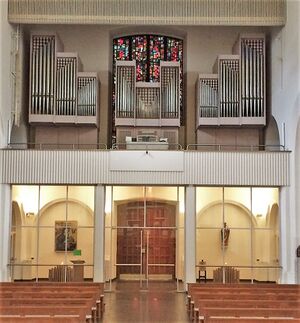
61, 210
16, 247
235, 215
16, 215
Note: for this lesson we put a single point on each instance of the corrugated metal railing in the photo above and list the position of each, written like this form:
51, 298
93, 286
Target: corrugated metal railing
149, 12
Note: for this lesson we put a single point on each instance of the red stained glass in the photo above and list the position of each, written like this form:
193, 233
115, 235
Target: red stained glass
140, 54
156, 53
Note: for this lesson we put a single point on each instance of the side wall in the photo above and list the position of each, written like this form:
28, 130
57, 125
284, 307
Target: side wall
285, 89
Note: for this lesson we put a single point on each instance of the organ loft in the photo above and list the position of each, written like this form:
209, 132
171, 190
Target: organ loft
147, 101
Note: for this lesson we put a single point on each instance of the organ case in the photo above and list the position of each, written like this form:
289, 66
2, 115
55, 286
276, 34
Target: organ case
239, 83
59, 92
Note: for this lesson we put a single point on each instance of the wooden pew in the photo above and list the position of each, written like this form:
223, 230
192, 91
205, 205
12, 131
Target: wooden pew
78, 301
242, 301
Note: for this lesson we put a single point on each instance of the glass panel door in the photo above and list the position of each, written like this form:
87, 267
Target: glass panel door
141, 234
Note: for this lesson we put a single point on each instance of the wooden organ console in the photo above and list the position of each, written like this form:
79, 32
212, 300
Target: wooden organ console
235, 94
59, 92
151, 108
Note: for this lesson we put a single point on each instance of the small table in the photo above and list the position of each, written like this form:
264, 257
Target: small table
78, 270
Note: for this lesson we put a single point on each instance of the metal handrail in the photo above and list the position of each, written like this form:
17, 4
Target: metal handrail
146, 146
238, 266
218, 147
56, 146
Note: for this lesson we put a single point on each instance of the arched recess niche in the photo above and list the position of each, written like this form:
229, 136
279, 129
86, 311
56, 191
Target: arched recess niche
247, 237
65, 210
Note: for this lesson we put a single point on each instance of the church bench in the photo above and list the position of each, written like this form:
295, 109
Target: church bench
241, 312
247, 303
240, 300
80, 310
57, 295
243, 287
251, 296
40, 318
250, 320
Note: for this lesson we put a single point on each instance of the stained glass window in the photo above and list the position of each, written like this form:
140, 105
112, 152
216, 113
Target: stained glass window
156, 54
140, 54
148, 51
121, 49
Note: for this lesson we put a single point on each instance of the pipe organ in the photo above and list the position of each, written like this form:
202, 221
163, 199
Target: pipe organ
125, 89
158, 102
148, 108
170, 91
235, 94
59, 92
208, 98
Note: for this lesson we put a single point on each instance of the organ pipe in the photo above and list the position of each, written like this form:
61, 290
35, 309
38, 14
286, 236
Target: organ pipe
240, 85
57, 88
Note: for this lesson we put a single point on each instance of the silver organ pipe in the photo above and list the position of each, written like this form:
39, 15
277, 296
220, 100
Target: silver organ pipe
66, 69
42, 74
170, 90
125, 89
87, 95
57, 89
208, 96
252, 51
147, 102
241, 85
229, 87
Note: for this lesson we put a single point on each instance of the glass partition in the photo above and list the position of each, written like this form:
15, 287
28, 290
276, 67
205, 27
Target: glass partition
52, 233
237, 235
144, 228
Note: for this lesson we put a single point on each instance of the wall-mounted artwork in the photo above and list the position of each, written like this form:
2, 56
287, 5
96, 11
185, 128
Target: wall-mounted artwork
65, 235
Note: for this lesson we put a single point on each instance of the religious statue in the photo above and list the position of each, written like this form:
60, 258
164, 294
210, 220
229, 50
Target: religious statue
225, 232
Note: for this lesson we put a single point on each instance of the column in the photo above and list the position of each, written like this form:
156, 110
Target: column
5, 207
99, 237
190, 235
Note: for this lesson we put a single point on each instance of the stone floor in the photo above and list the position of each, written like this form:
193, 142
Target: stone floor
127, 302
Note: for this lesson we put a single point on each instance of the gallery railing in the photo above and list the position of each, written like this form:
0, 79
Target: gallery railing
146, 145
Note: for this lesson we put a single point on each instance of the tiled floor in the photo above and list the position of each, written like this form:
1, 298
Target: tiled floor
160, 303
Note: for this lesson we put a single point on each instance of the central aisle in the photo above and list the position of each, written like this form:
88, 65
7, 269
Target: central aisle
161, 303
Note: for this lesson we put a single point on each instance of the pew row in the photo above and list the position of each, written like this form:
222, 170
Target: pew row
256, 302
46, 302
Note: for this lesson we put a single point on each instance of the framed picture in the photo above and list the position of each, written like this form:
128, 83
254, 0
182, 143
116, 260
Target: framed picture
65, 235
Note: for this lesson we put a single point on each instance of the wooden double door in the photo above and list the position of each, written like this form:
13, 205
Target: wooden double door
146, 240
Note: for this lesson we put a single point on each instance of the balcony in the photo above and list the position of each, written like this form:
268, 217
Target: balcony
61, 165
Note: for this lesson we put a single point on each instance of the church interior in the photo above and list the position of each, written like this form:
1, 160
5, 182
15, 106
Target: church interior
150, 148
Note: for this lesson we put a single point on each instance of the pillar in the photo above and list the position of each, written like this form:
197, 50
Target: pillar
190, 235
99, 236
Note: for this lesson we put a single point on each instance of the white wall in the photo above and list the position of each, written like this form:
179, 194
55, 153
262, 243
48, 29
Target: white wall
5, 88
285, 67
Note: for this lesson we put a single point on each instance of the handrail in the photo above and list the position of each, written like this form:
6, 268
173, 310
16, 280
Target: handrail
145, 146
220, 147
56, 146
238, 266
